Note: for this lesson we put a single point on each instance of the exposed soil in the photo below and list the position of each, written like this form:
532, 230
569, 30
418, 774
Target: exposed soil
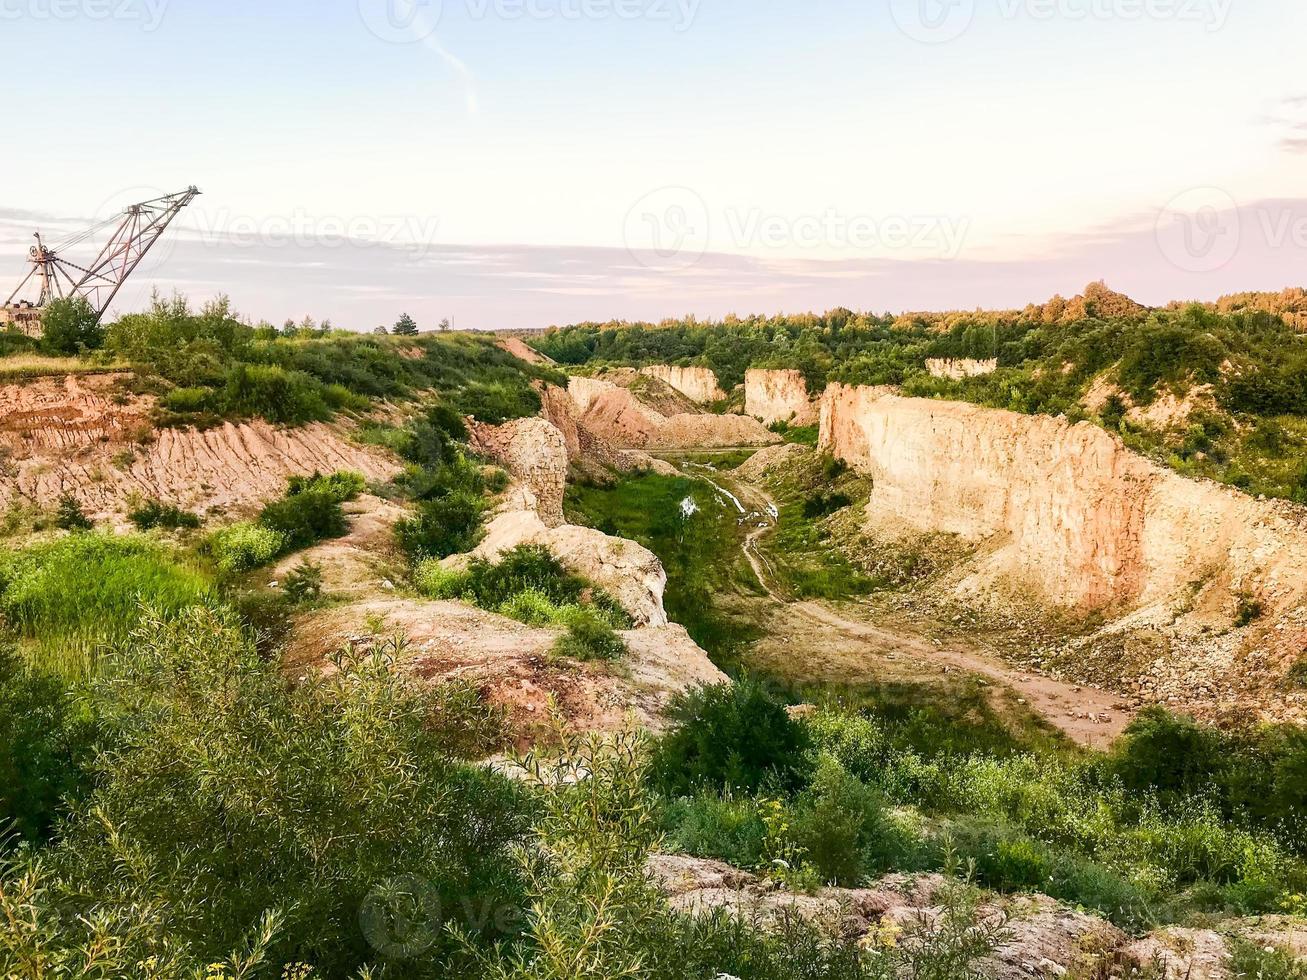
849, 642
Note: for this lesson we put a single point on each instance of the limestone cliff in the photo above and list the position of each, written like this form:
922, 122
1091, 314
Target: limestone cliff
699, 384
621, 416
778, 396
1066, 508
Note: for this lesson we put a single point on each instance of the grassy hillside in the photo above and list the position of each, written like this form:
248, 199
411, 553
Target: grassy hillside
1238, 370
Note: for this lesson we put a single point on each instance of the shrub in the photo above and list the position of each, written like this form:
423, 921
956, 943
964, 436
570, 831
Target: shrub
190, 400
436, 582
497, 402
825, 504
836, 819
235, 794
305, 516
341, 486
271, 392
304, 582
245, 546
45, 751
729, 736
69, 325
70, 516
589, 637
156, 514
445, 526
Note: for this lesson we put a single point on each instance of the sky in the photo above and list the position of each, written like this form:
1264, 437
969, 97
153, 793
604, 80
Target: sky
522, 163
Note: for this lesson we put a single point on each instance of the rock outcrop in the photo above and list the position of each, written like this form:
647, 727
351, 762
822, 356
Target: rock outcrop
699, 384
89, 436
519, 349
778, 396
512, 665
958, 368
535, 452
631, 573
621, 417
1067, 514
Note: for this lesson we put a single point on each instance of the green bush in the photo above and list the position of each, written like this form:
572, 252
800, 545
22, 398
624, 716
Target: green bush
156, 514
271, 392
45, 752
70, 516
303, 582
306, 516
89, 588
191, 400
589, 636
245, 546
230, 801
449, 525
69, 325
341, 486
730, 736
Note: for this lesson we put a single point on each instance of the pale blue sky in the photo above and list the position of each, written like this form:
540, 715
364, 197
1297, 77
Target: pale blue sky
524, 163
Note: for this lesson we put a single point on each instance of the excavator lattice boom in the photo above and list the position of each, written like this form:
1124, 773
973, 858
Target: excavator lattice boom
136, 230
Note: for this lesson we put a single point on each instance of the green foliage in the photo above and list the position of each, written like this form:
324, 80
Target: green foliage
530, 585
244, 546
825, 504
87, 589
45, 751
448, 525
730, 736
405, 326
70, 326
697, 542
1252, 961
590, 636
155, 514
70, 516
497, 402
228, 798
311, 509
303, 582
210, 365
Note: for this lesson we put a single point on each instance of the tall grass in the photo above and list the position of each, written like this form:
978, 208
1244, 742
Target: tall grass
77, 595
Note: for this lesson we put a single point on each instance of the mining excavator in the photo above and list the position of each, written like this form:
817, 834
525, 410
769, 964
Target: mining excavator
52, 276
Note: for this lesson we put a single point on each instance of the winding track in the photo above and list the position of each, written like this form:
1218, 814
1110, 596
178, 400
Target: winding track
851, 644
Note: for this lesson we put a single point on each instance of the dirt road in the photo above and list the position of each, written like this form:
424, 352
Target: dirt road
842, 642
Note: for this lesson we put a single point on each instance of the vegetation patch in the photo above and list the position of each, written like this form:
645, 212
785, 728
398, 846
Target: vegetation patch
530, 585
697, 537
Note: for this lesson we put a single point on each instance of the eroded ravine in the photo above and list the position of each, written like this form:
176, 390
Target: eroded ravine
844, 642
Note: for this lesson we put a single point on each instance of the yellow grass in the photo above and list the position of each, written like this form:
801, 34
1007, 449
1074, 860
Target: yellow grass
21, 366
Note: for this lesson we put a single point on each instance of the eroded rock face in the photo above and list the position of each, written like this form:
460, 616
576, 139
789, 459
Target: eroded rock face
631, 573
958, 368
534, 451
696, 383
1055, 517
778, 396
1068, 508
86, 436
519, 349
617, 415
